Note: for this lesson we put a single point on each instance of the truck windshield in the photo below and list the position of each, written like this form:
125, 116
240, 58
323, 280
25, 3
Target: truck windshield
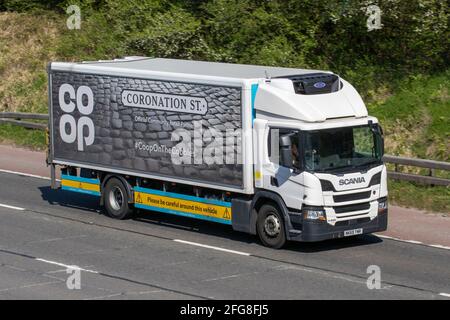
342, 148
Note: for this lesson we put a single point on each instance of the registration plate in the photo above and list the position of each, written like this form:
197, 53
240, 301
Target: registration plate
353, 232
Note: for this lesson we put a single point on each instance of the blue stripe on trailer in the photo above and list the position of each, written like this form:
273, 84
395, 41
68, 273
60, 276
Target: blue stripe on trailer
80, 179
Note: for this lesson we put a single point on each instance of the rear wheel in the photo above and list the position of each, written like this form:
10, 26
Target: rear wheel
270, 227
116, 200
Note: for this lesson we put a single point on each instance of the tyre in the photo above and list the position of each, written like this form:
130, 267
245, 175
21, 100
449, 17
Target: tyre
116, 200
270, 226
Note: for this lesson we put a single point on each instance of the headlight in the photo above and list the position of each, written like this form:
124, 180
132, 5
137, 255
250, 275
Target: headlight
314, 214
382, 205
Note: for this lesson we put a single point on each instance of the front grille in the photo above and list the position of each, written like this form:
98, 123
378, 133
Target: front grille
363, 220
347, 222
351, 196
351, 208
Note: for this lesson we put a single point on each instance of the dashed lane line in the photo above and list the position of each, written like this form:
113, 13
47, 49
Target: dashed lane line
212, 247
11, 207
221, 249
65, 265
107, 275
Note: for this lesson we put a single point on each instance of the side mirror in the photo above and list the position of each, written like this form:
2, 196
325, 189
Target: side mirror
382, 140
378, 131
286, 151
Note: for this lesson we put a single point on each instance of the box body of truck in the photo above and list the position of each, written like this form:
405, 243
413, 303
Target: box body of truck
194, 139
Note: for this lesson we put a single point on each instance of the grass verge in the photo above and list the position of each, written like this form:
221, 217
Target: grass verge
18, 136
429, 198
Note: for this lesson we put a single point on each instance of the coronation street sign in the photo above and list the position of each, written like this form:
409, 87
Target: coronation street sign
164, 102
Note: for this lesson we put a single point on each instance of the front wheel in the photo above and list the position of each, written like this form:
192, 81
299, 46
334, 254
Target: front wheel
270, 227
116, 200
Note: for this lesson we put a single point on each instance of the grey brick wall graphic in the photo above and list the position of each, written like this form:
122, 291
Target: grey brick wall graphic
153, 110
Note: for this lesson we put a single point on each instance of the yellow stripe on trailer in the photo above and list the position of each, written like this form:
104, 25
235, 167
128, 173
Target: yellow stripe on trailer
80, 185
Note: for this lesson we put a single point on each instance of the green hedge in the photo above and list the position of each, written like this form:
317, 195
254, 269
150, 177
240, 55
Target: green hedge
310, 33
29, 5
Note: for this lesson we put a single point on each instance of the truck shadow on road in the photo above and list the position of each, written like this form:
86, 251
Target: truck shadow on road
68, 200
89, 204
226, 232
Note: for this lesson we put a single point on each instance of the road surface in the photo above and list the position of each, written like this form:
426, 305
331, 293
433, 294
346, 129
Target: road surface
157, 256
404, 223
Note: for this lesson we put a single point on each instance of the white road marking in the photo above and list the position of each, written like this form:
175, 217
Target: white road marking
26, 174
13, 267
212, 247
412, 241
11, 207
124, 294
206, 246
30, 285
65, 265
222, 278
56, 271
105, 297
58, 239
142, 292
445, 294
439, 246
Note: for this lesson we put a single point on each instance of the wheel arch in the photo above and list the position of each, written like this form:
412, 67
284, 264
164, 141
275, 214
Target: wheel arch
128, 187
267, 197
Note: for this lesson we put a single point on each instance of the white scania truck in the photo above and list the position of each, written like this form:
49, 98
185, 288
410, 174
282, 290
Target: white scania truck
284, 153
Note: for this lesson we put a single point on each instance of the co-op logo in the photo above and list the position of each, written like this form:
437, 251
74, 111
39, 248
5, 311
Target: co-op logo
351, 181
69, 129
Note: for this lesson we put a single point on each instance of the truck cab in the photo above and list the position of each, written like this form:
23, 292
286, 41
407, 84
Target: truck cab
317, 149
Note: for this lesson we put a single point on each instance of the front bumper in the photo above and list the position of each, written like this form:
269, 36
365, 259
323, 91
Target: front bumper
312, 231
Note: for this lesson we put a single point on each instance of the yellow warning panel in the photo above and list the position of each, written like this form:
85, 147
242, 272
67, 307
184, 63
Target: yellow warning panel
80, 185
195, 207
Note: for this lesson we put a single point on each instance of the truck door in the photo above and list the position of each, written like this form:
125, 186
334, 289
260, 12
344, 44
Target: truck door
282, 171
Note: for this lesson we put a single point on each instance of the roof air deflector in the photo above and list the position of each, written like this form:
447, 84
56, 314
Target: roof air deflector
315, 83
